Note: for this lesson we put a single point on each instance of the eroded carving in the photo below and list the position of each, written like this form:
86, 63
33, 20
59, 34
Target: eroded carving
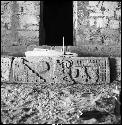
5, 68
61, 70
90, 70
29, 71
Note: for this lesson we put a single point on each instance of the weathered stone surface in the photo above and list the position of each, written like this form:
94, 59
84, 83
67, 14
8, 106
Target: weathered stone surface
35, 103
91, 70
5, 68
61, 70
89, 16
21, 20
96, 50
115, 68
35, 70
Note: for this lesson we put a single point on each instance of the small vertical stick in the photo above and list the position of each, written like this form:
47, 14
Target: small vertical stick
63, 45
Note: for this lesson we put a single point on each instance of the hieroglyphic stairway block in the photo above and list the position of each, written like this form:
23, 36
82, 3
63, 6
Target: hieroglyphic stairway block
90, 70
84, 70
32, 70
61, 70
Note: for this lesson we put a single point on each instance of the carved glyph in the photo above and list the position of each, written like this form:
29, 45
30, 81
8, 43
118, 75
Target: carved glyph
5, 68
90, 70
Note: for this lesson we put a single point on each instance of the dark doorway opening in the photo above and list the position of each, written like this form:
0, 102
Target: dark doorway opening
58, 22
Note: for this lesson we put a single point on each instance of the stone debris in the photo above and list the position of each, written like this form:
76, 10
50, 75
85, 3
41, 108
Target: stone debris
30, 103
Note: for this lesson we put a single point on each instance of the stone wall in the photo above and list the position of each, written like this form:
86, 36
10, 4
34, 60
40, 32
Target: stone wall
19, 25
96, 29
97, 26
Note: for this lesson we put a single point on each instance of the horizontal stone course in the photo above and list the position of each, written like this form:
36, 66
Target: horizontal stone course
61, 69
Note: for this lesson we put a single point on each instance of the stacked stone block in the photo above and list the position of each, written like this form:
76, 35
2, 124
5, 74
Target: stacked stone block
61, 70
20, 25
97, 22
5, 68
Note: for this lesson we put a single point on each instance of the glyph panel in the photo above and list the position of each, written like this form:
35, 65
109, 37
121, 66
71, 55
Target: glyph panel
5, 68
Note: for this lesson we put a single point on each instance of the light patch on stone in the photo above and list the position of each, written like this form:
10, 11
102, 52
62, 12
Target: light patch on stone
118, 13
93, 3
80, 13
90, 8
34, 28
28, 20
110, 5
29, 34
75, 16
109, 13
20, 2
28, 7
78, 38
6, 18
114, 24
91, 21
100, 23
98, 10
96, 14
85, 21
7, 13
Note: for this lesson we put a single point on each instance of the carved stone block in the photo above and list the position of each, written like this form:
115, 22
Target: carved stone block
5, 68
87, 70
32, 70
61, 70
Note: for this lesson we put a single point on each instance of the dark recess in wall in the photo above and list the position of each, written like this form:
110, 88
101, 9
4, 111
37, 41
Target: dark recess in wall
112, 69
41, 26
58, 22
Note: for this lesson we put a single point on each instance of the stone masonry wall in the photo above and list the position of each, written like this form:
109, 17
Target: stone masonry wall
97, 26
19, 25
96, 29
97, 32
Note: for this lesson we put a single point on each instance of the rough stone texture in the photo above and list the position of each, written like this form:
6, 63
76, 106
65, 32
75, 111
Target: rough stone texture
51, 103
5, 68
60, 70
39, 104
96, 50
97, 27
19, 25
32, 70
115, 68
97, 22
90, 70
